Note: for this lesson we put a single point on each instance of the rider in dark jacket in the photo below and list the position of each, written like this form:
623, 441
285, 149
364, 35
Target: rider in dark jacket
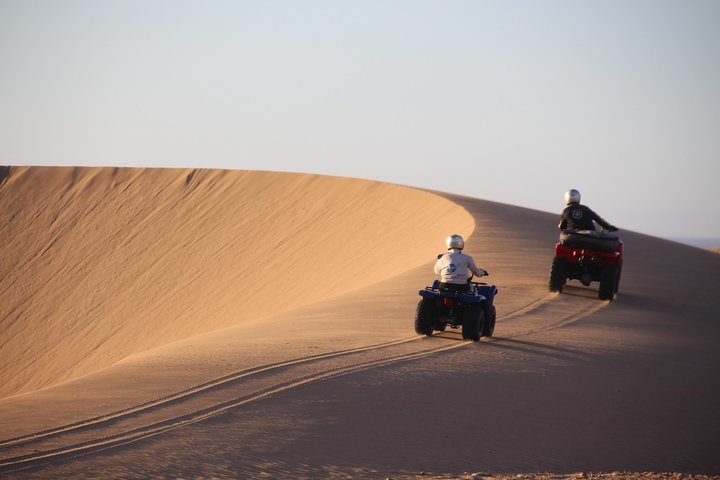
579, 217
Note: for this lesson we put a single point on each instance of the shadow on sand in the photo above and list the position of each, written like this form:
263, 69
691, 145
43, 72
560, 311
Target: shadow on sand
4, 173
580, 291
536, 348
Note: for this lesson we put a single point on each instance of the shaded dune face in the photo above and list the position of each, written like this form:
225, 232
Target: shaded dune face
100, 263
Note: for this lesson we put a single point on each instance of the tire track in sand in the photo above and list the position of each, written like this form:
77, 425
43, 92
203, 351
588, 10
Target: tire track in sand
207, 400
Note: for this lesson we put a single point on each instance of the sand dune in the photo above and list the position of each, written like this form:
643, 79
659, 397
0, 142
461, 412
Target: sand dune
98, 264
335, 384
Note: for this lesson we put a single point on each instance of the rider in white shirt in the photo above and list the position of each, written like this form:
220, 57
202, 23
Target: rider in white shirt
454, 266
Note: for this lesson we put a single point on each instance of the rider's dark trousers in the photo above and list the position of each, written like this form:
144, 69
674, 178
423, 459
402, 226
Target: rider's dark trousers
455, 287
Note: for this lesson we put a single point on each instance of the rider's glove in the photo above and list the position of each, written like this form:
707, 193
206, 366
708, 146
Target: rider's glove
485, 273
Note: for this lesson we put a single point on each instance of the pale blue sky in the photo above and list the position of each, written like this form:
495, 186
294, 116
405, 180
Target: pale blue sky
513, 101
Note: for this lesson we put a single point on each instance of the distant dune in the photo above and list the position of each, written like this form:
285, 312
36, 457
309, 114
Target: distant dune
100, 263
716, 250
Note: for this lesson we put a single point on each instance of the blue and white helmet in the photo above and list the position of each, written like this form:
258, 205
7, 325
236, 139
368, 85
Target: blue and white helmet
455, 241
572, 196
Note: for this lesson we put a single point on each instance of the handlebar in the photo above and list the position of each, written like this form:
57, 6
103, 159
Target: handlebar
473, 276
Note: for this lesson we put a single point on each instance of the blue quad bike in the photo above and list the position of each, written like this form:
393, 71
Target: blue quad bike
472, 310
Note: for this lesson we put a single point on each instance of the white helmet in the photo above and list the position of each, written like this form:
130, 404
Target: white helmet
455, 241
572, 196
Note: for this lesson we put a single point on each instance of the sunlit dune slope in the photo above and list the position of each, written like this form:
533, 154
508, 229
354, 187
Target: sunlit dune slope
100, 263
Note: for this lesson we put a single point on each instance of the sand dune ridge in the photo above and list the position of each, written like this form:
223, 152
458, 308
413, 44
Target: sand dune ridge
144, 257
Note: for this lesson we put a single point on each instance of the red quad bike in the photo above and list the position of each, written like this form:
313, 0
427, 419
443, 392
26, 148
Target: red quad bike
588, 256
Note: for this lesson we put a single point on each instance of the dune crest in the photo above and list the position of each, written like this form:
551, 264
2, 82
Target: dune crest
101, 263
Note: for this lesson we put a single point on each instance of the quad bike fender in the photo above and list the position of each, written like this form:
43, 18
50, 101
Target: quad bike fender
578, 255
488, 291
431, 293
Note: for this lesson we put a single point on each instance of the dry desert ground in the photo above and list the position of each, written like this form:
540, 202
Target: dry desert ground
170, 323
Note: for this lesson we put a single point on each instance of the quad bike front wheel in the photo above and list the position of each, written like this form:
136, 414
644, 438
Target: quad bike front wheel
558, 274
472, 322
424, 317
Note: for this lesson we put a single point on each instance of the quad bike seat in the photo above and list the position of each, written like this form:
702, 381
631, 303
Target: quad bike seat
590, 239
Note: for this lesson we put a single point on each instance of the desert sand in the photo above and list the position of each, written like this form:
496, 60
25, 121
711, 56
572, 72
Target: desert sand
228, 324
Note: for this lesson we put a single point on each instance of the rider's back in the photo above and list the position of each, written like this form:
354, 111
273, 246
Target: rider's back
578, 217
454, 267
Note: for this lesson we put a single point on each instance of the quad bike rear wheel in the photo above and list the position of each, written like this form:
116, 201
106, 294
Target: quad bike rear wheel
489, 323
558, 274
472, 322
424, 317
608, 283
